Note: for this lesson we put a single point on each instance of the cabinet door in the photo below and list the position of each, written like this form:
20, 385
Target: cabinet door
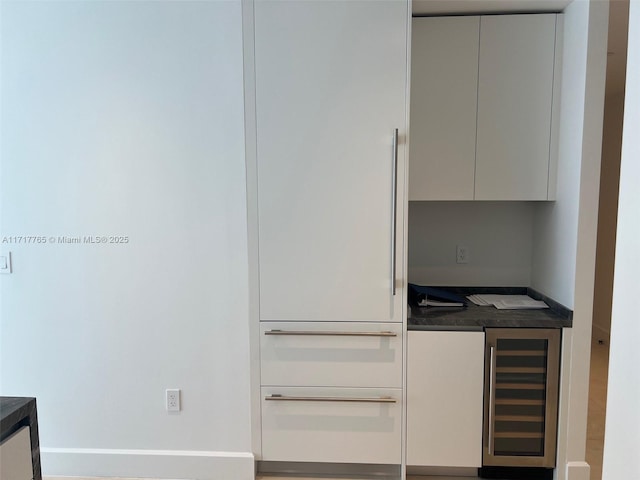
337, 425
444, 398
444, 88
515, 87
330, 91
341, 354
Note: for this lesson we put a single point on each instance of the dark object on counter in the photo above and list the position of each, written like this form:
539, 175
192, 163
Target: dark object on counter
418, 293
16, 413
516, 473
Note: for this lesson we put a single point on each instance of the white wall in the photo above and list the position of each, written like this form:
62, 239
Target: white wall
556, 223
497, 234
622, 435
565, 231
126, 118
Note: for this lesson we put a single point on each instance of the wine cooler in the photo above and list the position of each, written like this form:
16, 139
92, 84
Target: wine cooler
521, 397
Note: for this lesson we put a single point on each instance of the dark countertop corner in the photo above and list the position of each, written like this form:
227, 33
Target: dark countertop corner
13, 410
16, 413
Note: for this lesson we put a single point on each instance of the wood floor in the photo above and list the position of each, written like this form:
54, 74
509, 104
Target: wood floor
597, 406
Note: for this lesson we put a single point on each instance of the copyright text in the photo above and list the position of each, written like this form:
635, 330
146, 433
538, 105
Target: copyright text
64, 239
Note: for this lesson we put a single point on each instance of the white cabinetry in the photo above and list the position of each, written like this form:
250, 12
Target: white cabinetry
444, 98
331, 94
331, 354
337, 425
485, 92
331, 81
445, 381
515, 100
331, 392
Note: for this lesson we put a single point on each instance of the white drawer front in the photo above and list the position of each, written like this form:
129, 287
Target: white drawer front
304, 426
331, 354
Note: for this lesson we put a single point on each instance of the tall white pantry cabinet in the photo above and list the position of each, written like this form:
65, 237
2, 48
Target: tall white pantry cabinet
331, 129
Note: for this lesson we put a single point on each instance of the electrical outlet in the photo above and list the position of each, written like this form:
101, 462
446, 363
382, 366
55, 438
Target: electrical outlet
173, 400
462, 254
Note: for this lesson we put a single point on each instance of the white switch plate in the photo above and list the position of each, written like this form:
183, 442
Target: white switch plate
5, 263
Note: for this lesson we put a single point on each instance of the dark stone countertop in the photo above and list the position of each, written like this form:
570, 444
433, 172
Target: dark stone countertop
474, 317
18, 412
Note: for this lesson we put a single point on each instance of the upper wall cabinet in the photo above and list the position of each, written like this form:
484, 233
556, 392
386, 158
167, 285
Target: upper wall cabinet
484, 97
331, 106
515, 105
444, 99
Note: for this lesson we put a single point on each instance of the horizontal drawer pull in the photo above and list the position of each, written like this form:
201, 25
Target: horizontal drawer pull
521, 370
522, 353
518, 401
520, 386
331, 399
519, 435
520, 418
331, 333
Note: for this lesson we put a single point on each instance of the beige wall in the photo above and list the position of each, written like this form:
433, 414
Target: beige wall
607, 213
622, 435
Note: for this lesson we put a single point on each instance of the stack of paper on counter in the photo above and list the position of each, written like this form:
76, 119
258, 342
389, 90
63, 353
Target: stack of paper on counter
508, 302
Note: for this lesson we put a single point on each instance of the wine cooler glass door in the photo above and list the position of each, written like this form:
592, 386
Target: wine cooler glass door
522, 387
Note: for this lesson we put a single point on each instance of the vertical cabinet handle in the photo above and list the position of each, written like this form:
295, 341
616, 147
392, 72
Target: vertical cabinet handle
492, 399
394, 189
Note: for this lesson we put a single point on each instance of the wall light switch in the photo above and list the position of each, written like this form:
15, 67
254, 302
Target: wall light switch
5, 263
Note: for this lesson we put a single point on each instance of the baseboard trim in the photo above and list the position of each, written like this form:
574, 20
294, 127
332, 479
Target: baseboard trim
578, 471
443, 471
157, 464
311, 470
